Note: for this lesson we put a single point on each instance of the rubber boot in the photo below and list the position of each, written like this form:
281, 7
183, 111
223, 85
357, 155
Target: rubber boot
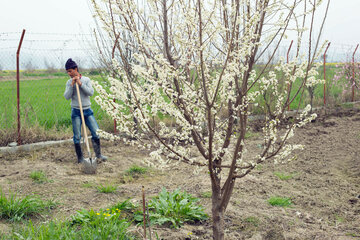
79, 153
97, 150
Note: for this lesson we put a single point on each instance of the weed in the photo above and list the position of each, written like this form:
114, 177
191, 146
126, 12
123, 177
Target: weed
38, 176
101, 224
353, 234
250, 134
135, 171
253, 220
259, 167
108, 188
280, 201
284, 176
206, 194
127, 179
348, 105
339, 219
88, 185
124, 206
84, 225
174, 208
15, 209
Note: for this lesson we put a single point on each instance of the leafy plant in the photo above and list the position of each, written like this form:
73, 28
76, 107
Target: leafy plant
124, 206
94, 218
39, 176
174, 208
15, 209
102, 224
280, 201
108, 188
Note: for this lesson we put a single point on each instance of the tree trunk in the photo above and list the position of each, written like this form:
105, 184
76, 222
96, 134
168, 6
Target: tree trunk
218, 213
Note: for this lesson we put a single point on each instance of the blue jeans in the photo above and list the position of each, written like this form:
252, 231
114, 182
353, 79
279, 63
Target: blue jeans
89, 121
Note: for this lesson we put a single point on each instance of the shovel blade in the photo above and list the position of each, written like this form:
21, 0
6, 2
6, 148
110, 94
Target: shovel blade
89, 165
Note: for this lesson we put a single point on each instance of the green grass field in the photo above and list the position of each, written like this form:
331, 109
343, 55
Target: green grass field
42, 101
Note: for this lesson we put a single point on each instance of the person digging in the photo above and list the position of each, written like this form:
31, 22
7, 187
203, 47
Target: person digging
86, 91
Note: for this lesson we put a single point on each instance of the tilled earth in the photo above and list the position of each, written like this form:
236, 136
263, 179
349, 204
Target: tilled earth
324, 187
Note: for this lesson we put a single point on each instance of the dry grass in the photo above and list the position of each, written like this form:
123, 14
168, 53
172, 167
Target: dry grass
32, 134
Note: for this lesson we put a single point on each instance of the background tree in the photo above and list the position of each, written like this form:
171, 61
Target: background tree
196, 65
344, 78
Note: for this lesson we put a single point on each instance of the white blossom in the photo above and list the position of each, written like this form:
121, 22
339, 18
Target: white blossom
180, 94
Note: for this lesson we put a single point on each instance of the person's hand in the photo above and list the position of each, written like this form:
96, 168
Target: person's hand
76, 79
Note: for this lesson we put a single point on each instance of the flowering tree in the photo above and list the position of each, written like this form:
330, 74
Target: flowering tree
346, 78
195, 65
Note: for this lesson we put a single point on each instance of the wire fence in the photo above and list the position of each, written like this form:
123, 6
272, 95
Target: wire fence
43, 77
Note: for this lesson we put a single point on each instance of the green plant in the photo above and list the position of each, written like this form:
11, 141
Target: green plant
206, 194
88, 185
250, 134
15, 209
280, 201
124, 206
348, 105
174, 208
39, 176
103, 223
83, 225
259, 167
135, 171
252, 220
108, 188
127, 209
284, 176
339, 219
353, 234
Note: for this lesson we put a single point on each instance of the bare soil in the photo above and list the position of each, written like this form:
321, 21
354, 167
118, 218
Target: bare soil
324, 187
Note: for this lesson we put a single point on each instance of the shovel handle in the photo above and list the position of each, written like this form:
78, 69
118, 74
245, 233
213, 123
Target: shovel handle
82, 118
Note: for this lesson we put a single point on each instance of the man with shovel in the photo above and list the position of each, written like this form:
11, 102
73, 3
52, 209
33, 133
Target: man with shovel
85, 90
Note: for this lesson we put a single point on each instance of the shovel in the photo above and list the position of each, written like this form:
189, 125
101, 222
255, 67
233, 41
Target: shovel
89, 164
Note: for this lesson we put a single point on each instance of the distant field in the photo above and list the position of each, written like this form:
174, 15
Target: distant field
42, 101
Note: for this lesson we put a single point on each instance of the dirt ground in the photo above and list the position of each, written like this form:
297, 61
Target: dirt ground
324, 189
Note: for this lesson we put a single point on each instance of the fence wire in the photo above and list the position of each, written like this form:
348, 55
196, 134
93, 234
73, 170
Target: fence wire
43, 77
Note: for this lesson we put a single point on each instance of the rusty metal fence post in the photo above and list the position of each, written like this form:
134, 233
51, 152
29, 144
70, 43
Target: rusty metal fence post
287, 61
353, 83
115, 131
325, 72
18, 87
